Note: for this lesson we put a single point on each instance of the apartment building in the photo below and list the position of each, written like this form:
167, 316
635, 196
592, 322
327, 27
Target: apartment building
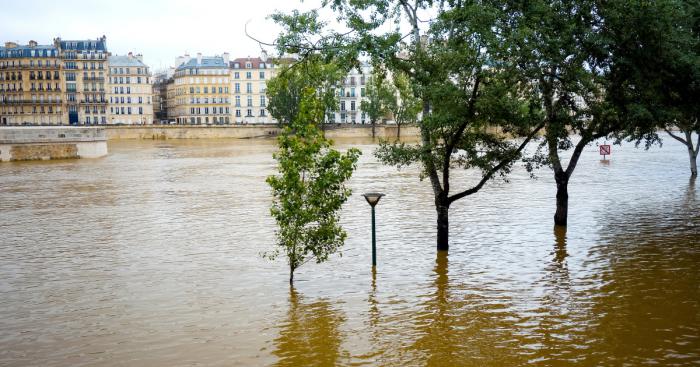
350, 94
249, 78
85, 74
31, 85
130, 91
200, 92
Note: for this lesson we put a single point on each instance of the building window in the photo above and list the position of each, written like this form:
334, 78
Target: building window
352, 105
248, 75
236, 75
262, 75
249, 113
262, 112
238, 113
238, 87
238, 101
249, 87
262, 101
250, 101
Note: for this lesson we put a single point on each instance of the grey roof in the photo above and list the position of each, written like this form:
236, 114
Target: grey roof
125, 61
25, 51
207, 62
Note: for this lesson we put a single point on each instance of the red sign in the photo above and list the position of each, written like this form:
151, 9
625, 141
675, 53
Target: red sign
605, 149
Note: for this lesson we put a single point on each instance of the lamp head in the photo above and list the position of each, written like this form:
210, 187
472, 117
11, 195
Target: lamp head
373, 197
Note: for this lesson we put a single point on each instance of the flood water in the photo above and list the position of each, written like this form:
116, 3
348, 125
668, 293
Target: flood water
151, 257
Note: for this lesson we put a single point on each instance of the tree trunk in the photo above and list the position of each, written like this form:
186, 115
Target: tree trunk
443, 227
693, 159
291, 275
373, 124
561, 215
398, 131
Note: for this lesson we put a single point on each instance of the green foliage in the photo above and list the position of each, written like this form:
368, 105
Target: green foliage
285, 90
407, 107
380, 97
309, 189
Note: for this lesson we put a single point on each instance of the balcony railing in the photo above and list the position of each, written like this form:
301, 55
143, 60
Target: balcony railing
30, 102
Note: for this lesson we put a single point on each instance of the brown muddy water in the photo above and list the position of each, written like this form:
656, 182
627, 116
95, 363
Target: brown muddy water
151, 257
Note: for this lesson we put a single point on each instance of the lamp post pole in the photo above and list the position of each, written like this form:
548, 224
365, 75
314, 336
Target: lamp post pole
374, 241
372, 199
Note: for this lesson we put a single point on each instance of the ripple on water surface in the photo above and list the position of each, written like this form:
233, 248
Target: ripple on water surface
151, 256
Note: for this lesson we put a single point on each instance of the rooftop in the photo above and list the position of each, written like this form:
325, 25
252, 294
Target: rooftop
117, 60
207, 62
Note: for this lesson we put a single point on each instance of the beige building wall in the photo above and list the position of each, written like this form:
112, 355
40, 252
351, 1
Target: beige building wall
249, 78
130, 91
201, 92
31, 85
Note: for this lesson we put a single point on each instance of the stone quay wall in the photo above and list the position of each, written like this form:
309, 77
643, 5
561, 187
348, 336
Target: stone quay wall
163, 132
44, 143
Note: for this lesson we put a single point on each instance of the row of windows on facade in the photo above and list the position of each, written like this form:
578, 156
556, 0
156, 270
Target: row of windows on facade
122, 80
250, 101
94, 120
124, 110
213, 89
39, 63
127, 71
72, 65
351, 93
128, 100
202, 72
33, 87
99, 55
206, 100
39, 75
34, 99
40, 110
96, 87
95, 110
351, 80
249, 65
236, 75
205, 111
199, 120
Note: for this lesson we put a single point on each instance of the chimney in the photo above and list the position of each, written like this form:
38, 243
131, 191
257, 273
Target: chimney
139, 57
199, 58
32, 43
10, 45
226, 56
131, 55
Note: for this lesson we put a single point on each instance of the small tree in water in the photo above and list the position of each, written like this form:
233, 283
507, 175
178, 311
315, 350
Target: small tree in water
309, 189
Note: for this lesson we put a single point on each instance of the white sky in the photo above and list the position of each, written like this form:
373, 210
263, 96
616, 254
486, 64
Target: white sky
161, 30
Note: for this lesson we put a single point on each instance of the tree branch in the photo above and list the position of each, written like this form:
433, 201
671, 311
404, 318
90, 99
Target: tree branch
496, 168
675, 136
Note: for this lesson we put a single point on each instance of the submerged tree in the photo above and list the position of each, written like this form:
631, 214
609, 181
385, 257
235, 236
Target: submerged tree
406, 107
310, 188
286, 89
562, 54
380, 98
473, 98
656, 69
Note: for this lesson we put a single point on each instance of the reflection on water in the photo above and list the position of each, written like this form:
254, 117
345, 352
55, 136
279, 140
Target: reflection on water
150, 256
310, 334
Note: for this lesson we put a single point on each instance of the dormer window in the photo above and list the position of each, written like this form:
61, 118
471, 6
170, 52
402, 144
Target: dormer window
248, 65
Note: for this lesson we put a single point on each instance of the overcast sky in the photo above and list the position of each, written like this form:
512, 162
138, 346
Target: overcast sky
161, 30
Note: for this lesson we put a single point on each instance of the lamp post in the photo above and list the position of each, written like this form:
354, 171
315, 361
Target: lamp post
372, 199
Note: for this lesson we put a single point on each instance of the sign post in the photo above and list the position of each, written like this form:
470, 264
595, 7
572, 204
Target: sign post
605, 150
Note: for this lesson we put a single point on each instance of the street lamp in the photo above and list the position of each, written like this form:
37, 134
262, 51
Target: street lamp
372, 199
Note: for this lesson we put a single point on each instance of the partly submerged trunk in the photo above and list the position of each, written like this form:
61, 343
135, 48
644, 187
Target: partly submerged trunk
562, 180
443, 227
692, 153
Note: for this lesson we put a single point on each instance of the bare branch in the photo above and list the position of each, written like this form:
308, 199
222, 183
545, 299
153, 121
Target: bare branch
497, 167
667, 130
